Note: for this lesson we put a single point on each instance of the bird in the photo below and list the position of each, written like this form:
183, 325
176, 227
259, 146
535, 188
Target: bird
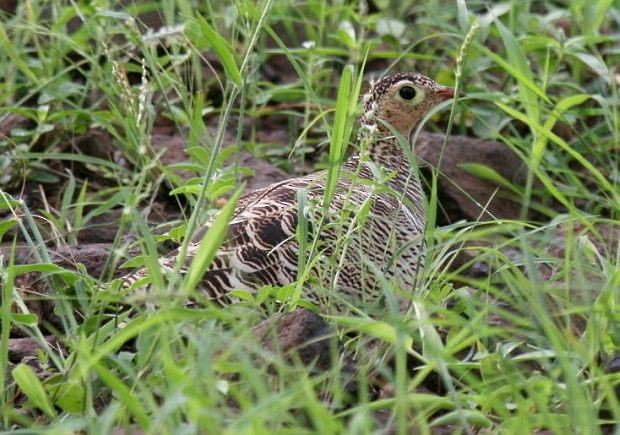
371, 230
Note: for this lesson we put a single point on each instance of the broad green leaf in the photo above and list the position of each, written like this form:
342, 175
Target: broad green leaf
210, 243
346, 33
191, 188
378, 329
7, 201
7, 225
432, 345
595, 64
202, 34
486, 173
134, 262
27, 319
68, 394
263, 293
567, 103
32, 387
20, 269
243, 295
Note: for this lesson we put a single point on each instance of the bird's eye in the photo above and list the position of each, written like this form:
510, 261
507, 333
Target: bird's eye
407, 93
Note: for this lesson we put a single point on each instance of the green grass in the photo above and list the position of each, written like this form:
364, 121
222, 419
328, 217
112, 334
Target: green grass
522, 348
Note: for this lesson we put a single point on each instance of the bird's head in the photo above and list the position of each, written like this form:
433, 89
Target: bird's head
401, 100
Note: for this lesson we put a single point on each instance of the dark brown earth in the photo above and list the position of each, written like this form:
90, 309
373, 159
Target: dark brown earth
463, 195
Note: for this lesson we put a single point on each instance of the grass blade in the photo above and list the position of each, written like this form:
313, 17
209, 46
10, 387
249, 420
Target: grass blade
210, 243
601, 179
340, 133
521, 72
9, 49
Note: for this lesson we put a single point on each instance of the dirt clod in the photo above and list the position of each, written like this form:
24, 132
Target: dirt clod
463, 195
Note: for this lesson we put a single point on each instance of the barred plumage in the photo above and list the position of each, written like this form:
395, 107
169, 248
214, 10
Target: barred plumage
374, 223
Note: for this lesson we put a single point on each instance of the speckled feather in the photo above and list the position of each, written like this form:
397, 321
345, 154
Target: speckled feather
262, 249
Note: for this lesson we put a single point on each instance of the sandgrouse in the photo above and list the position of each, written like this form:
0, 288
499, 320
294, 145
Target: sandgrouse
373, 226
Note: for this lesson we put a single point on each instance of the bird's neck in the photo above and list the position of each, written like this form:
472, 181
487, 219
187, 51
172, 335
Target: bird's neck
379, 140
384, 150
383, 147
388, 153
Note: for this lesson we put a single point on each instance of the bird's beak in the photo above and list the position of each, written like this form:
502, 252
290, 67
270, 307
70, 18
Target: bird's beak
447, 93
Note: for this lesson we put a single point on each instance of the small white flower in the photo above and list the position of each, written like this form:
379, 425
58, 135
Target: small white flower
222, 386
308, 45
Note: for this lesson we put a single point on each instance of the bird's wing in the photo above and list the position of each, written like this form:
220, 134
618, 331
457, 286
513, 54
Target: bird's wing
260, 249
